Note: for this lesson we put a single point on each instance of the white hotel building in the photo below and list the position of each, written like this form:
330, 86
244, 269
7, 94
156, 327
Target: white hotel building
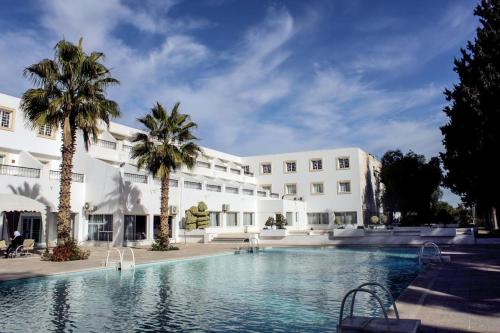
114, 202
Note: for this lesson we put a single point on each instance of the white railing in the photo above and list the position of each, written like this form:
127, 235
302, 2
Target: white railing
75, 177
13, 170
135, 178
192, 185
106, 144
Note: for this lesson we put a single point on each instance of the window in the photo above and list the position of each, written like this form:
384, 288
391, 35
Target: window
290, 166
2, 159
215, 219
290, 188
247, 191
45, 131
233, 190
289, 218
346, 218
214, 188
173, 182
100, 227
345, 186
247, 219
265, 168
316, 164
135, 228
317, 188
156, 226
127, 148
261, 193
246, 170
343, 163
317, 218
6, 118
193, 185
231, 219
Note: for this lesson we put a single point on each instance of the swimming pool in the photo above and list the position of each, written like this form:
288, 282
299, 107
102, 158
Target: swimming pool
277, 290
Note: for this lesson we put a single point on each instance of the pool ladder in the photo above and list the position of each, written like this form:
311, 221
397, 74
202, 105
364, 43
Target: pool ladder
353, 323
120, 264
434, 256
251, 245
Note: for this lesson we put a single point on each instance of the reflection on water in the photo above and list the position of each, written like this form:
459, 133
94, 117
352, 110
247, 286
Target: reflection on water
279, 290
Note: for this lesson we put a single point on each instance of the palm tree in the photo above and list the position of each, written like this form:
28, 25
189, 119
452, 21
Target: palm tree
167, 146
70, 94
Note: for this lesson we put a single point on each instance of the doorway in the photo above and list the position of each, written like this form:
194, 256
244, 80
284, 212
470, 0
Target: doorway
156, 226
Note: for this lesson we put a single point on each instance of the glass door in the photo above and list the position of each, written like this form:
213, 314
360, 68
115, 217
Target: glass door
31, 227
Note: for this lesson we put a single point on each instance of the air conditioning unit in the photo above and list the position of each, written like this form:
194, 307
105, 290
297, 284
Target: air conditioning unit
173, 210
89, 208
225, 207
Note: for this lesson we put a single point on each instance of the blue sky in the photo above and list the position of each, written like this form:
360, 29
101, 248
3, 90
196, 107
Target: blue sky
263, 76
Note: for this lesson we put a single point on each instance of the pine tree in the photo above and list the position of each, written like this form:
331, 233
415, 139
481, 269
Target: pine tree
472, 134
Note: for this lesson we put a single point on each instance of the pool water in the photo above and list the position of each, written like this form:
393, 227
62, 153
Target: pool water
277, 290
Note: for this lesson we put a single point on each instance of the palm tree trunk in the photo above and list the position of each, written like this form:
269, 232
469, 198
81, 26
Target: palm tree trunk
163, 237
64, 214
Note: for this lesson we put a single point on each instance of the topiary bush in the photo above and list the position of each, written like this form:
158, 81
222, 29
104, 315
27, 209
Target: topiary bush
191, 218
202, 216
281, 221
270, 221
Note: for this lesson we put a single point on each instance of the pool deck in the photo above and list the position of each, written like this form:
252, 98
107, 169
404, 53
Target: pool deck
461, 296
32, 266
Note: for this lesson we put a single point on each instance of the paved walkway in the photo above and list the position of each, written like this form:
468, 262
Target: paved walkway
32, 266
462, 296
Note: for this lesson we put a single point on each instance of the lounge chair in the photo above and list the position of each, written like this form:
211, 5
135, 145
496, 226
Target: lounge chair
28, 245
3, 246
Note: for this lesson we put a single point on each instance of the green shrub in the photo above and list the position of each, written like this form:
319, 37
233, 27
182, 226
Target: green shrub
158, 246
281, 221
68, 251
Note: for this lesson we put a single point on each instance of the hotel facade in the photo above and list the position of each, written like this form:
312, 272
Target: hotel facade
113, 202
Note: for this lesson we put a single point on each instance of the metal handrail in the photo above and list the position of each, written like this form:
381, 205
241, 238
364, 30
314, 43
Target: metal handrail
119, 255
355, 291
391, 299
422, 255
133, 255
75, 177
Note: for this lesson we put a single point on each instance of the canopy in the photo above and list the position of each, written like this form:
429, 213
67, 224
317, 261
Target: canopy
19, 203
13, 202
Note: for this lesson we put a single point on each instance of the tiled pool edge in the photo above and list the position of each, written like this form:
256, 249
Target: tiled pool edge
103, 268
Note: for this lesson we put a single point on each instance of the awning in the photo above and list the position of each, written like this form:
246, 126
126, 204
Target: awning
19, 203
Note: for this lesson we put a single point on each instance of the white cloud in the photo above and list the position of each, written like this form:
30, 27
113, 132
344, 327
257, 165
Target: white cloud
246, 99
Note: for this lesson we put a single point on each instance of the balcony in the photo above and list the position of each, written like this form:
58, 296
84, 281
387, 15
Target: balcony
12, 170
106, 144
274, 195
75, 177
135, 178
248, 173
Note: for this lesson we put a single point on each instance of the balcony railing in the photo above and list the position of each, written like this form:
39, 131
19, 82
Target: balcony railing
192, 185
261, 193
75, 177
106, 144
274, 195
220, 168
247, 191
236, 171
135, 178
13, 170
248, 173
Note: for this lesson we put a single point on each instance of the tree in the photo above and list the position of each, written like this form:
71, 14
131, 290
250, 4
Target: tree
471, 136
410, 185
281, 221
70, 94
168, 145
